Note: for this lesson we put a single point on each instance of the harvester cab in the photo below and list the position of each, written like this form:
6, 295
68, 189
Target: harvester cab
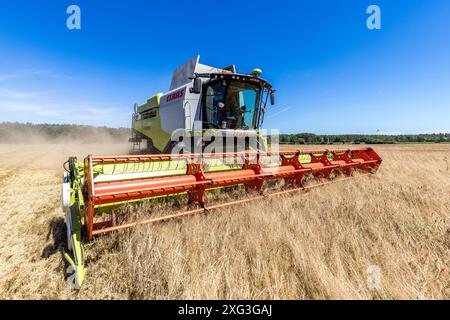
203, 101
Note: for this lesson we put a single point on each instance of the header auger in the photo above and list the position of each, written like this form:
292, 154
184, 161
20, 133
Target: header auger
94, 188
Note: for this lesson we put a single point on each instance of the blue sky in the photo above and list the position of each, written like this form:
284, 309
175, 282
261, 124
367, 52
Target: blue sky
332, 74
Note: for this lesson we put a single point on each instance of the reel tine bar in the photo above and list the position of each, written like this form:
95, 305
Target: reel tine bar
291, 168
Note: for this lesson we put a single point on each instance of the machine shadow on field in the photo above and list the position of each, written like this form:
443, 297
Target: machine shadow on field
56, 230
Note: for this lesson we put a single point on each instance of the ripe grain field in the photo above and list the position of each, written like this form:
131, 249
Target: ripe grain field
315, 245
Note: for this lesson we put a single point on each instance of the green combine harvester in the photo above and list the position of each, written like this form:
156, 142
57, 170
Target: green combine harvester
203, 134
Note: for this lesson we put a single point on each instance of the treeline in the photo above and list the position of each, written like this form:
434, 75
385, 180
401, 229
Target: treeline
16, 132
310, 138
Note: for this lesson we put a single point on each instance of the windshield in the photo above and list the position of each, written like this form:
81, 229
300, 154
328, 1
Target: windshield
230, 104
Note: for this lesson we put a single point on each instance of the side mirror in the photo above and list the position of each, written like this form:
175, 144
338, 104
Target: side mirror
197, 85
272, 98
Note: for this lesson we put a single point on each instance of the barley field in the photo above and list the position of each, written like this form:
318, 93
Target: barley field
385, 236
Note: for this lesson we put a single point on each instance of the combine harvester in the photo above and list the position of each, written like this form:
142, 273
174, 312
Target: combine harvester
201, 98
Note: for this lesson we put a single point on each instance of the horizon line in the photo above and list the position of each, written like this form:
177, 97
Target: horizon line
445, 132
